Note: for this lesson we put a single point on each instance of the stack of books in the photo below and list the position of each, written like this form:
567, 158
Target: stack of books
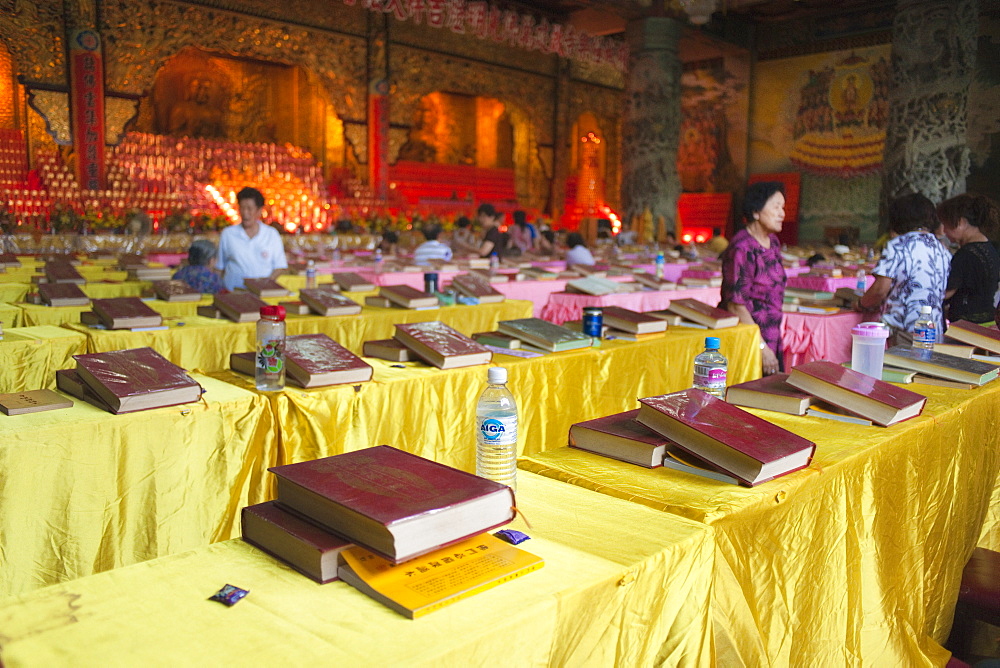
388, 349
266, 287
701, 313
403, 296
175, 291
987, 338
594, 285
312, 360
935, 368
327, 302
544, 335
238, 306
351, 282
476, 285
62, 294
438, 344
124, 381
409, 532
631, 325
126, 313
648, 280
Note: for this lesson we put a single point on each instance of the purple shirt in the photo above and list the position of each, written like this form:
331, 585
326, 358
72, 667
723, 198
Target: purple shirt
754, 276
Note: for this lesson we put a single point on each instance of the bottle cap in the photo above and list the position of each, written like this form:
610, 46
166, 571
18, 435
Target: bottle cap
497, 375
871, 330
311, 263
430, 276
925, 310
712, 342
272, 312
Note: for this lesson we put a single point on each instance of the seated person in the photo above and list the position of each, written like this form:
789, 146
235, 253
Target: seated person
390, 242
717, 243
546, 242
494, 241
199, 272
463, 239
522, 234
578, 252
432, 249
251, 248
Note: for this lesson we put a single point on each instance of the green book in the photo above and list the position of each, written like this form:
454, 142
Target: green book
544, 334
892, 375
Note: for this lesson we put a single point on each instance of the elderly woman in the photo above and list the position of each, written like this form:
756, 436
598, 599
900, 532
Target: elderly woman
970, 221
753, 277
912, 272
199, 273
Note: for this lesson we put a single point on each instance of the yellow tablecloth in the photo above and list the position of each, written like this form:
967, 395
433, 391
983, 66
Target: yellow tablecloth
32, 355
622, 585
36, 314
855, 560
13, 292
83, 491
10, 315
431, 412
202, 343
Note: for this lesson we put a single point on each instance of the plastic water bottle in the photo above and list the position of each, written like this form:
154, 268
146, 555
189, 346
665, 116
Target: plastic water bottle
710, 369
861, 285
925, 330
269, 372
496, 431
311, 274
660, 264
494, 262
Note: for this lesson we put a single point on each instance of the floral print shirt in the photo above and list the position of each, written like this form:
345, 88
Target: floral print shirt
755, 277
200, 278
918, 265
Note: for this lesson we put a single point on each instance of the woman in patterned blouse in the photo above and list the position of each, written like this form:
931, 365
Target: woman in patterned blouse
753, 277
912, 272
199, 273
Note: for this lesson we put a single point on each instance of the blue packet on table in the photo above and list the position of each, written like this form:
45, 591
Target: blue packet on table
229, 595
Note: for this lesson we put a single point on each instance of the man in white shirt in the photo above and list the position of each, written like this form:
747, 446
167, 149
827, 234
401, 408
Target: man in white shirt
250, 249
432, 249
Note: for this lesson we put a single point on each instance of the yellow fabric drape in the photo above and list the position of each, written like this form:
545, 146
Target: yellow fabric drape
83, 491
30, 356
10, 315
856, 559
622, 585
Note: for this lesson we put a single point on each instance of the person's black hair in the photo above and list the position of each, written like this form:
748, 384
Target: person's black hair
462, 222
978, 210
757, 195
390, 236
431, 232
520, 218
201, 252
815, 259
549, 235
487, 209
716, 231
345, 225
251, 193
911, 212
575, 239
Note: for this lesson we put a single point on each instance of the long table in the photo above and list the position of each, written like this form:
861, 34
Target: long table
808, 336
856, 559
32, 355
622, 585
563, 306
83, 491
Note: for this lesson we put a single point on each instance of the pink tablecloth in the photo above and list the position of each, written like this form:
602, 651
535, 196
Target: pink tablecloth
808, 337
563, 306
826, 284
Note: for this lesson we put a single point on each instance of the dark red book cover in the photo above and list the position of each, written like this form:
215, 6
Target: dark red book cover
318, 354
776, 383
62, 272
324, 299
167, 289
635, 318
266, 286
120, 308
283, 534
238, 302
728, 424
625, 426
387, 485
973, 328
51, 292
131, 261
126, 373
702, 308
474, 285
351, 282
862, 384
440, 338
404, 294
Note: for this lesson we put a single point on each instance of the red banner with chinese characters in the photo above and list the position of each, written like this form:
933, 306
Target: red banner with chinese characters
378, 139
86, 67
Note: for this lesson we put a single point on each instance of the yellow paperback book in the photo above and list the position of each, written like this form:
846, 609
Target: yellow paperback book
425, 584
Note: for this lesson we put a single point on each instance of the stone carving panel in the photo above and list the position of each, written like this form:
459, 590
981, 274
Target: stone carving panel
35, 35
933, 62
53, 108
118, 112
357, 136
141, 36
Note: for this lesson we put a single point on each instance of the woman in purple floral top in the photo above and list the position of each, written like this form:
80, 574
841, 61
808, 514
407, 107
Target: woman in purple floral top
753, 277
199, 273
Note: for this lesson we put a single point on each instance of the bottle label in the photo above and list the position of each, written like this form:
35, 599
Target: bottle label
715, 379
271, 356
925, 334
498, 430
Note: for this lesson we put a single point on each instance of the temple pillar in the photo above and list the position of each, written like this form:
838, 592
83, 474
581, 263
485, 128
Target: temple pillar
561, 141
651, 121
378, 105
933, 61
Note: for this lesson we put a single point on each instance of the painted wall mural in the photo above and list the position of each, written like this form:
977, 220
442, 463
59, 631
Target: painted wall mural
984, 100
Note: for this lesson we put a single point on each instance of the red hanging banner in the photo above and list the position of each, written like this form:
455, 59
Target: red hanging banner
87, 103
378, 138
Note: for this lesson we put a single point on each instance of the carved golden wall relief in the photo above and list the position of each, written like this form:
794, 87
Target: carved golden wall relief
8, 91
164, 28
118, 111
397, 138
331, 15
35, 35
357, 137
53, 110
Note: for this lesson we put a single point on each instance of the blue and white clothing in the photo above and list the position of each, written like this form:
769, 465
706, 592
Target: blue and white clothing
918, 265
242, 257
431, 250
579, 255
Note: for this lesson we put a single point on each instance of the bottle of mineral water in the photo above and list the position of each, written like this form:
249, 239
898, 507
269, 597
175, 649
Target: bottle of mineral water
311, 274
269, 371
660, 264
494, 262
861, 286
925, 330
710, 369
496, 431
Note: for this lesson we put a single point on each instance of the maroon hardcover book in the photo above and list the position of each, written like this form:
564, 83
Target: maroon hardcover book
130, 261
137, 379
62, 294
442, 346
246, 363
987, 338
651, 281
316, 359
873, 399
9, 260
62, 272
302, 545
771, 393
70, 382
266, 287
407, 297
392, 502
349, 281
326, 302
632, 321
728, 437
125, 313
175, 291
700, 312
239, 306
478, 286
387, 349
619, 436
